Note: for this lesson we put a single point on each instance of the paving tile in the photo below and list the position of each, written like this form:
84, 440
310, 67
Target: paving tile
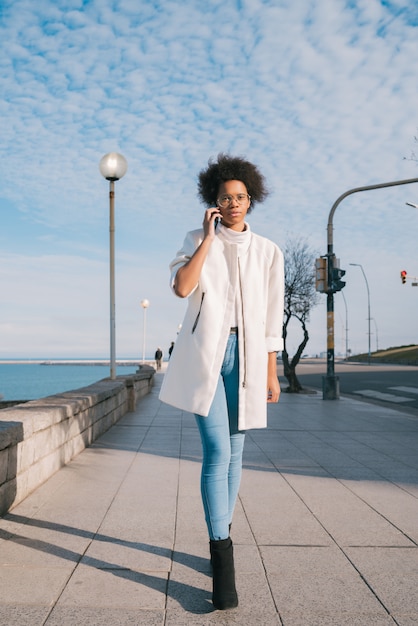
115, 588
23, 615
308, 618
392, 573
32, 585
128, 555
98, 616
318, 581
276, 514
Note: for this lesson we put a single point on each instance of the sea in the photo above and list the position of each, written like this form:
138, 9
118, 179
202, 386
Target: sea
34, 379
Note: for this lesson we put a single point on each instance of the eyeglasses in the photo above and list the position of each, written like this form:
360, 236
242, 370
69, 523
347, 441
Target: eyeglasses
241, 198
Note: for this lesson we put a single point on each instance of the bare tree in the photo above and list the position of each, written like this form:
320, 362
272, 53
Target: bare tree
300, 298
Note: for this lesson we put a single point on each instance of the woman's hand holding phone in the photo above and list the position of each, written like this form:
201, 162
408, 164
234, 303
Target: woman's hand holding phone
211, 219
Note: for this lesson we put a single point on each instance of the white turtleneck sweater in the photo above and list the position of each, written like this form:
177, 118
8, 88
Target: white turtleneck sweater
240, 239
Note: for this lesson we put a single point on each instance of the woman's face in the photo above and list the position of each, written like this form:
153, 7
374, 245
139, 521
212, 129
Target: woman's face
233, 202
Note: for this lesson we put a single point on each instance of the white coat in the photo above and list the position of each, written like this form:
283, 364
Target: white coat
194, 367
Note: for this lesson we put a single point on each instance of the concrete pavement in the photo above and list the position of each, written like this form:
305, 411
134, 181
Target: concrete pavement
325, 531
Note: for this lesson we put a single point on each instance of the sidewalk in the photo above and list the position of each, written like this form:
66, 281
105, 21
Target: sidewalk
325, 531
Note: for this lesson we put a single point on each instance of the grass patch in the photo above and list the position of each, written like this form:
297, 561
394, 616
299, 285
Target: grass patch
402, 355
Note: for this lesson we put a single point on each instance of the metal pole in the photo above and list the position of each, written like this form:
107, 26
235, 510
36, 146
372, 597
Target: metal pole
112, 278
346, 325
112, 167
368, 314
377, 336
143, 336
145, 305
368, 309
330, 383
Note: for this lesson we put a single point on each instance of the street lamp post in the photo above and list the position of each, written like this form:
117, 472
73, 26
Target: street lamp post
330, 383
377, 335
113, 167
346, 325
145, 305
368, 308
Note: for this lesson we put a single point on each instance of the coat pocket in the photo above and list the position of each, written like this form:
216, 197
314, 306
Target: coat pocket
198, 313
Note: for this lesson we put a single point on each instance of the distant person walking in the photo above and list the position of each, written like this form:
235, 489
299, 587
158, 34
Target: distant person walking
158, 358
224, 366
170, 350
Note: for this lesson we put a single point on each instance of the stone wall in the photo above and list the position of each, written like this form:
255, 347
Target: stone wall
38, 437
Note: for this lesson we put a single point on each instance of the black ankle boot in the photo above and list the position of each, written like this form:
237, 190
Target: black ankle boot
230, 526
222, 557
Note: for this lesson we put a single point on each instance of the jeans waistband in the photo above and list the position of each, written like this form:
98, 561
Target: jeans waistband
233, 330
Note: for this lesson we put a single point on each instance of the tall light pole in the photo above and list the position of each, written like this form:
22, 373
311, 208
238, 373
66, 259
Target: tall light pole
330, 382
346, 325
377, 335
368, 307
145, 305
113, 167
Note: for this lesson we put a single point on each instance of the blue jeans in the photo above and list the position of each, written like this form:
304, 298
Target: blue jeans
223, 446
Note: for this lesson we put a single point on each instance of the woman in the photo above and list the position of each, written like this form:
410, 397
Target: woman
223, 366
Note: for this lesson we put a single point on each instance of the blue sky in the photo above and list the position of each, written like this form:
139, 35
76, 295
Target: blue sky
322, 96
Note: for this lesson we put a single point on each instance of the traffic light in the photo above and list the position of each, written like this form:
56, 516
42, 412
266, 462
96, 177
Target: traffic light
321, 275
336, 275
337, 283
403, 276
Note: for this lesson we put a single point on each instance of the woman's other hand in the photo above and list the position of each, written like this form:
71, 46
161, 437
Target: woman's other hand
273, 384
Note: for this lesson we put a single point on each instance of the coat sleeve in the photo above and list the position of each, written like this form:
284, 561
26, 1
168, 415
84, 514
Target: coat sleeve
275, 305
190, 243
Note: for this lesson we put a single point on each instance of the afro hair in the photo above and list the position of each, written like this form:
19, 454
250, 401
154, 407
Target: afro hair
230, 168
